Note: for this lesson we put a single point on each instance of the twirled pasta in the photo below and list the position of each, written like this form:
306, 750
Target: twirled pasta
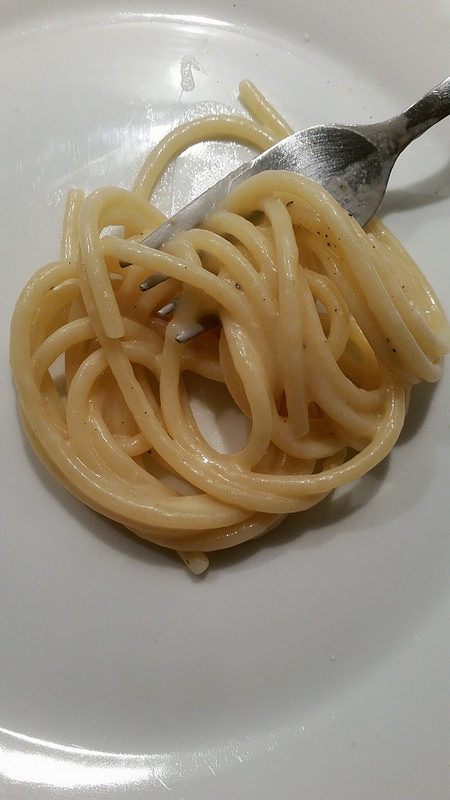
322, 330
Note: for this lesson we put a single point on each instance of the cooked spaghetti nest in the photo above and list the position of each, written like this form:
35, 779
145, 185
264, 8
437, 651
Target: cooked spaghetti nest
322, 329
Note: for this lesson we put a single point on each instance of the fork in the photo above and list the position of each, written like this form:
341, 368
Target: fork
353, 162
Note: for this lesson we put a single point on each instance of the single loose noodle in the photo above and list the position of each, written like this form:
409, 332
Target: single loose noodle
322, 329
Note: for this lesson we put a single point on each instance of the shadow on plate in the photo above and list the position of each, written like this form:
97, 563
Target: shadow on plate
432, 189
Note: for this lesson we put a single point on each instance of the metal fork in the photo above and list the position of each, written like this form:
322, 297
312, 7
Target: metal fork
353, 162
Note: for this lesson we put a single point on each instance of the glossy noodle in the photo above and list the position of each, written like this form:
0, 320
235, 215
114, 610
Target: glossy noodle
319, 331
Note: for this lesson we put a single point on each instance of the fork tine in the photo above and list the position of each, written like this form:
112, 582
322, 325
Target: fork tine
167, 309
153, 280
196, 328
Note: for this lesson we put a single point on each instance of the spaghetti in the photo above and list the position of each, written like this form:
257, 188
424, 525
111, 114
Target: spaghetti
322, 329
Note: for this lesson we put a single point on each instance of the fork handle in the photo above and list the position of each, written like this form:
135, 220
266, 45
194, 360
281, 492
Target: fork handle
431, 108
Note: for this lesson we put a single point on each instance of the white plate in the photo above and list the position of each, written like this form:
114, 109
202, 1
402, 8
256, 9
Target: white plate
311, 664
